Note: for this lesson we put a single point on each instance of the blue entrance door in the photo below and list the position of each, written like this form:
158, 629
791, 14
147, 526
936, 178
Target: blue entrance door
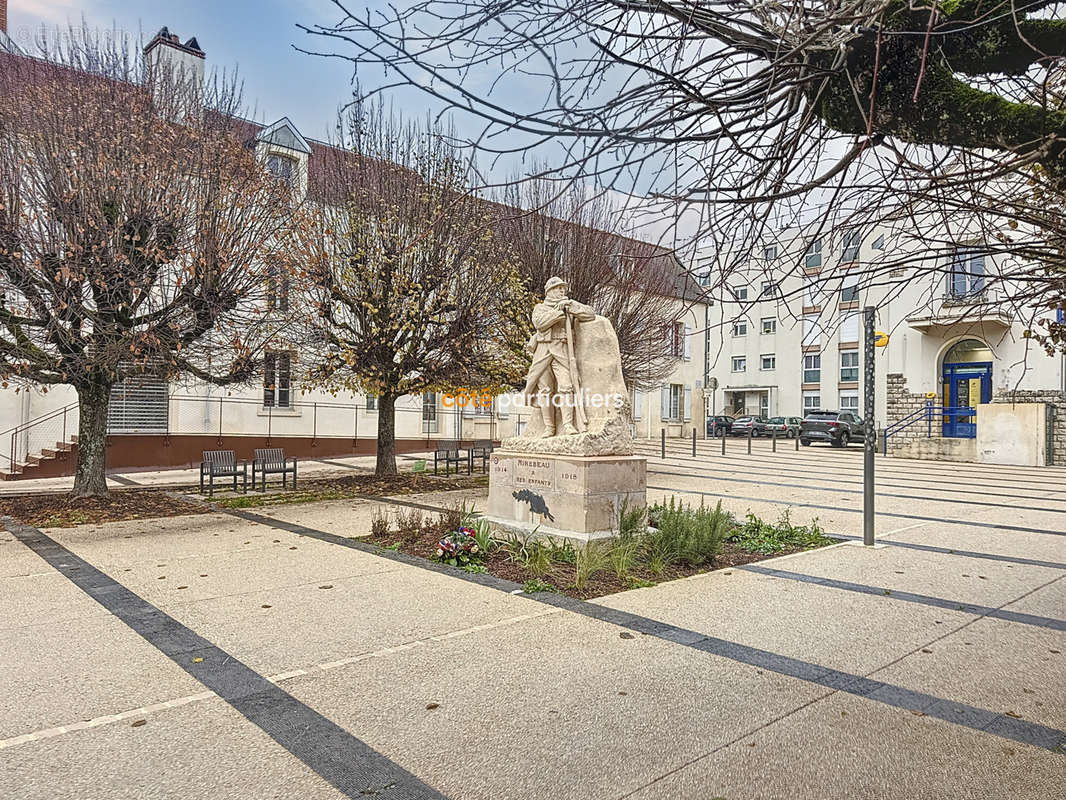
965, 386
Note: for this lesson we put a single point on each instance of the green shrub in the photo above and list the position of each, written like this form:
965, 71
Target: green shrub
537, 585
623, 555
379, 522
684, 534
756, 536
533, 554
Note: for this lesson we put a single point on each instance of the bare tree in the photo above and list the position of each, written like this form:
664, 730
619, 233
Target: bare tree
763, 114
134, 229
640, 287
414, 289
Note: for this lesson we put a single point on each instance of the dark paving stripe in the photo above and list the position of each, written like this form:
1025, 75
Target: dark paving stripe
951, 551
849, 462
910, 597
341, 464
345, 762
1009, 491
123, 480
796, 504
956, 713
837, 490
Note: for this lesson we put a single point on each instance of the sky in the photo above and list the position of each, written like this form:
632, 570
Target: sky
255, 36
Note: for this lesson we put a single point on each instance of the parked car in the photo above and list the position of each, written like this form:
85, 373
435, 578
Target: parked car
835, 427
719, 425
742, 426
789, 427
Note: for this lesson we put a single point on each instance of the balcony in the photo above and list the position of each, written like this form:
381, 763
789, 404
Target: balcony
981, 309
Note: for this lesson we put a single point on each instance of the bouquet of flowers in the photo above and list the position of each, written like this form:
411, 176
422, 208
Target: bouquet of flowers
459, 548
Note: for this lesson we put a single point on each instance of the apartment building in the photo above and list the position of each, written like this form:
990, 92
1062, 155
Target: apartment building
786, 329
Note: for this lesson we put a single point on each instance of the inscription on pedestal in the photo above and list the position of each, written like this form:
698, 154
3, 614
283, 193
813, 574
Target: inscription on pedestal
500, 471
536, 473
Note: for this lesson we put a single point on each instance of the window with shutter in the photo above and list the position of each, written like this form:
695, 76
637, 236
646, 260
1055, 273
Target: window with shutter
277, 380
686, 406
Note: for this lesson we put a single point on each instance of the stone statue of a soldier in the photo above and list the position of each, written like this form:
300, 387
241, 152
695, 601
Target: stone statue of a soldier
551, 380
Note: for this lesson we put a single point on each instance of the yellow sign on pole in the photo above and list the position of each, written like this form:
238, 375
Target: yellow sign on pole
880, 339
930, 395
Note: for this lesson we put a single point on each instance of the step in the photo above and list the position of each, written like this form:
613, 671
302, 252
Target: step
48, 453
64, 447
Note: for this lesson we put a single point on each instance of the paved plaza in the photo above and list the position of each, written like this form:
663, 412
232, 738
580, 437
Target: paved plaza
269, 653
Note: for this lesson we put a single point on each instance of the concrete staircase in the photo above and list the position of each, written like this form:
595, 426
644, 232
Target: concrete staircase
51, 462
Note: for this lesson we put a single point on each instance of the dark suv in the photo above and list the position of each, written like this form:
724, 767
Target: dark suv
719, 425
835, 427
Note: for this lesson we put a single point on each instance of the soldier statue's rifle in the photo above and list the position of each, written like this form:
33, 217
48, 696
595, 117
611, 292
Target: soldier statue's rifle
579, 401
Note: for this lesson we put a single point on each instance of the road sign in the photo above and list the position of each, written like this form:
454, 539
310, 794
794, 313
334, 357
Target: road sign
880, 339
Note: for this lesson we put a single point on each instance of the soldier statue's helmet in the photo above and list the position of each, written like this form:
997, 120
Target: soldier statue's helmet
553, 282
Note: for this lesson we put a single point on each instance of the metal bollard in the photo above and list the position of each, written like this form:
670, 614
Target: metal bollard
693, 442
773, 439
663, 440
797, 442
723, 442
750, 430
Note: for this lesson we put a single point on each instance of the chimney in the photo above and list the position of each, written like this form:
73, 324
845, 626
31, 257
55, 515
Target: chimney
3, 16
185, 61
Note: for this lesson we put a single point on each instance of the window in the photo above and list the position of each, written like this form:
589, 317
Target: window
813, 257
283, 168
849, 400
878, 243
277, 288
769, 253
849, 326
677, 394
812, 331
740, 293
429, 412
623, 266
769, 325
740, 328
849, 366
371, 402
812, 401
740, 363
812, 368
277, 380
677, 339
768, 361
966, 274
813, 292
852, 242
769, 289
484, 409
849, 291
704, 279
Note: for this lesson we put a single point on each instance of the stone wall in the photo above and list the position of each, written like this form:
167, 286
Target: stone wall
916, 441
1052, 397
900, 404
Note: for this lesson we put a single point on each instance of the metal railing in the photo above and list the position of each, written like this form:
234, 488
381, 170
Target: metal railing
46, 432
949, 417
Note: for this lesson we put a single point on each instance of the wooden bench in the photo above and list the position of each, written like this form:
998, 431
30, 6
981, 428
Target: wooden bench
222, 464
272, 461
449, 453
482, 449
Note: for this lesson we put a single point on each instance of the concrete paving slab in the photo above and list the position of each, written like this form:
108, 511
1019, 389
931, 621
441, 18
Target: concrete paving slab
844, 746
559, 706
306, 624
65, 671
842, 630
1049, 601
42, 598
202, 750
1007, 668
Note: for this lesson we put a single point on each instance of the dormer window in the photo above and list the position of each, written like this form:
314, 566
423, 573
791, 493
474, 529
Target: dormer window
283, 168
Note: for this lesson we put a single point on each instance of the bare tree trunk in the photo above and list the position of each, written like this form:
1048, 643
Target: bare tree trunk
90, 477
386, 435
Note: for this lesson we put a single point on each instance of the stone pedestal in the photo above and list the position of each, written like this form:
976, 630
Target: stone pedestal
563, 496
